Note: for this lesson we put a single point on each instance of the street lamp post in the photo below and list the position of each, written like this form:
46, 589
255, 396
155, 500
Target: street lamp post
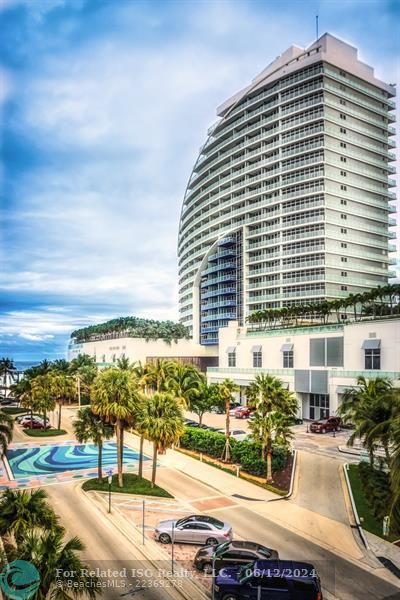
109, 479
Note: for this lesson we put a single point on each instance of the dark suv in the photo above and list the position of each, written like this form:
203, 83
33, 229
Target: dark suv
231, 553
324, 425
267, 579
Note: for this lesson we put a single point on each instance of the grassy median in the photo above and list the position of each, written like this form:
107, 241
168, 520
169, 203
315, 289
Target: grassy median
132, 485
44, 433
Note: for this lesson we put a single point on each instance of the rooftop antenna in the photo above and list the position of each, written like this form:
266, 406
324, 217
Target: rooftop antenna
316, 25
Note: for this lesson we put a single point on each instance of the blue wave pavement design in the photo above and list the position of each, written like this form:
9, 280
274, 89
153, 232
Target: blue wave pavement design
47, 460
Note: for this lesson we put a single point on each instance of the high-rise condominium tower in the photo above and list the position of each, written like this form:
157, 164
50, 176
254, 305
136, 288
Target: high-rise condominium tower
289, 199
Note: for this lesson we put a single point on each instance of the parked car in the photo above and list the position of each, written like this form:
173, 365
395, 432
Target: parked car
231, 553
324, 425
9, 402
267, 579
35, 424
237, 434
220, 410
191, 423
195, 529
26, 419
243, 412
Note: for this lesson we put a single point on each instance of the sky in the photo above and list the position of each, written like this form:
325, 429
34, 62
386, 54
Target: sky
103, 107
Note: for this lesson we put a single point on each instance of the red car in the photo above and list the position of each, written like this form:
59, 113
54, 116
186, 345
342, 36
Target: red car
243, 412
35, 425
324, 425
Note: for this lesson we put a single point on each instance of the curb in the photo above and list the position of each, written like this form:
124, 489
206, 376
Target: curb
294, 467
353, 506
189, 589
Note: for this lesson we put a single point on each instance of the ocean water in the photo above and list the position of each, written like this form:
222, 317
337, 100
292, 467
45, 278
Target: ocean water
25, 364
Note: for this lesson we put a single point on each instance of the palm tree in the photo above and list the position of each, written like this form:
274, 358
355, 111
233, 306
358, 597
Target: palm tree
269, 427
115, 396
6, 428
62, 573
42, 396
226, 390
124, 364
184, 383
363, 406
22, 510
159, 373
62, 388
161, 419
60, 365
7, 372
89, 426
275, 405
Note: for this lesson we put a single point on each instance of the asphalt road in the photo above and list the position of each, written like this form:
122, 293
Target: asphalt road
107, 549
342, 578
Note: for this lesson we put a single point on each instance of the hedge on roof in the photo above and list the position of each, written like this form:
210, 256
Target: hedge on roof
133, 327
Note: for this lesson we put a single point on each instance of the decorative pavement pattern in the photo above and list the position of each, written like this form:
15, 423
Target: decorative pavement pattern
49, 463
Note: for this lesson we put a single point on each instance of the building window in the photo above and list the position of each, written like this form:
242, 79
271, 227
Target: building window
257, 359
343, 201
343, 258
231, 359
103, 358
343, 245
343, 145
343, 216
344, 188
343, 230
343, 102
319, 406
343, 159
343, 130
288, 359
342, 116
373, 358
343, 173
343, 288
344, 273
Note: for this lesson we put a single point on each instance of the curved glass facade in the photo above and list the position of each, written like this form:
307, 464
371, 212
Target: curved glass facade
288, 201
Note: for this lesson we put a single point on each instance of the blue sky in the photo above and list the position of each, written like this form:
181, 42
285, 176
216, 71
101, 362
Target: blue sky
103, 107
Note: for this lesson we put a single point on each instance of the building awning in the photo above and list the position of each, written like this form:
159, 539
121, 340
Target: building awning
231, 349
372, 344
256, 349
287, 348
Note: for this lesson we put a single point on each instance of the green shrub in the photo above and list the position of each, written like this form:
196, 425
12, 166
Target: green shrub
376, 488
246, 453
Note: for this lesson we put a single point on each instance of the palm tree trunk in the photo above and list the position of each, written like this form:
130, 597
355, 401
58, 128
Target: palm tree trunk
45, 419
141, 457
227, 450
59, 415
200, 418
371, 458
153, 472
269, 464
119, 454
31, 411
387, 454
100, 462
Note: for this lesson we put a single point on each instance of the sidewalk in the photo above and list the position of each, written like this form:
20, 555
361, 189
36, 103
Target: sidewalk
382, 548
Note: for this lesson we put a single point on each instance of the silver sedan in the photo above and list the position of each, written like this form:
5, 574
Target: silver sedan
195, 529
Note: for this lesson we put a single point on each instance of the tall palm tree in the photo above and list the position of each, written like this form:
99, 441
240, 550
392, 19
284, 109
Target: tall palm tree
60, 365
159, 373
115, 396
62, 387
42, 395
6, 429
274, 405
184, 383
22, 510
226, 390
89, 426
269, 427
62, 573
363, 406
161, 419
7, 372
